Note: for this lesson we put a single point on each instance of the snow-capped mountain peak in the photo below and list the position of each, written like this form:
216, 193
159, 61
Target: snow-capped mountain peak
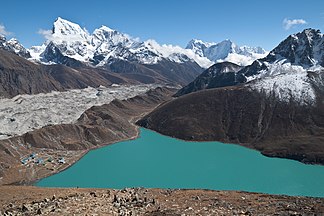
221, 50
69, 38
285, 71
305, 48
109, 36
197, 42
106, 28
198, 46
2, 38
14, 46
66, 30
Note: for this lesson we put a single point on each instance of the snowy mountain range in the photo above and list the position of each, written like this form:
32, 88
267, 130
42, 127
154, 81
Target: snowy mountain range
226, 51
105, 45
291, 71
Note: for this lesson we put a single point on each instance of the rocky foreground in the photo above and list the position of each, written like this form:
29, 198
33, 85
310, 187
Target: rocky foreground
27, 200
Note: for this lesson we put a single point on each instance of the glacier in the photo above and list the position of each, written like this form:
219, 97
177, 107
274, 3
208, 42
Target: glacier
24, 113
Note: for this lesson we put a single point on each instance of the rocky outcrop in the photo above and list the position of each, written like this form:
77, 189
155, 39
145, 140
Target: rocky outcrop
218, 75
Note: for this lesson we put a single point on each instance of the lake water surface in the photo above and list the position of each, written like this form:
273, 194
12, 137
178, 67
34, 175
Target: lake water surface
157, 161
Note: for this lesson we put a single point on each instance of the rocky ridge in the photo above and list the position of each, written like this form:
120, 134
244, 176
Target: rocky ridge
219, 75
140, 201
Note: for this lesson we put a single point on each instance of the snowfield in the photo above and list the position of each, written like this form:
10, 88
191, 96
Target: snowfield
25, 113
287, 82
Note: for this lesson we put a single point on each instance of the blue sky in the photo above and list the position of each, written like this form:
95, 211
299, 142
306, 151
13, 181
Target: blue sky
254, 23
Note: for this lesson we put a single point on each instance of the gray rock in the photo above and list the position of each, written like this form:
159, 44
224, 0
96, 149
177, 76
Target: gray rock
93, 194
25, 208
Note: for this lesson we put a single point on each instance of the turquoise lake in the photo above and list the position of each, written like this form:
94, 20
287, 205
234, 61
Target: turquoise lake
157, 161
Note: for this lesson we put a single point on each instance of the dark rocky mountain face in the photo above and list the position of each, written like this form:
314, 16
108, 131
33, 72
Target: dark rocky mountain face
218, 75
20, 76
53, 54
177, 73
305, 48
163, 72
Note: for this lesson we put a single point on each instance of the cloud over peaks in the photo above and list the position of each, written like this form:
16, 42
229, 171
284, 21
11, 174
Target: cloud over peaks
289, 23
3, 31
46, 33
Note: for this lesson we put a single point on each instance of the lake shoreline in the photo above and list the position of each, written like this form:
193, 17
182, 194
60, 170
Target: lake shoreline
142, 163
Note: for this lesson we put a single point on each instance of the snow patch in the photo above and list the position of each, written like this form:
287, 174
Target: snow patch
287, 82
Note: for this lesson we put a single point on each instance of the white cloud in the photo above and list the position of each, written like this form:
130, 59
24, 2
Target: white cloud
289, 23
3, 31
46, 33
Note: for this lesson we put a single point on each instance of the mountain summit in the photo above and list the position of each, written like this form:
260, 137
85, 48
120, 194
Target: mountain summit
64, 29
305, 48
13, 46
